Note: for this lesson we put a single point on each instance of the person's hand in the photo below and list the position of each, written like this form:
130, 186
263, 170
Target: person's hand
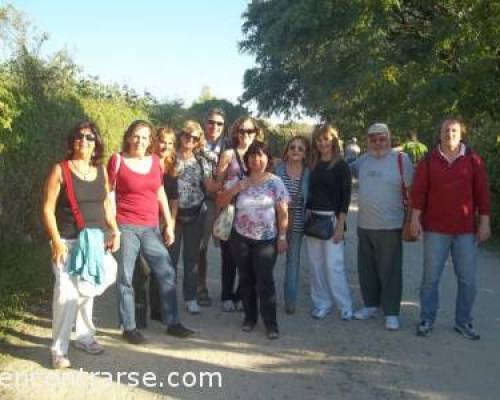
282, 245
416, 227
168, 236
483, 231
338, 235
113, 242
59, 252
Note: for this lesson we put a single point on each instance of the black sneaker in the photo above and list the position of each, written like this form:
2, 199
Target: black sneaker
133, 337
204, 299
272, 333
467, 331
247, 326
424, 328
179, 331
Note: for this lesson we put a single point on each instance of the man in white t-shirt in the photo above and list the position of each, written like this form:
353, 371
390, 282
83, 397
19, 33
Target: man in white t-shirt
380, 219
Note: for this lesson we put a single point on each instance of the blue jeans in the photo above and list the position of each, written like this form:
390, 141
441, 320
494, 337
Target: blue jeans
437, 248
291, 285
148, 241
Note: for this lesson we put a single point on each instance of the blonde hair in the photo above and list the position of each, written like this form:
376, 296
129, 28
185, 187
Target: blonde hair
191, 127
326, 130
259, 132
164, 132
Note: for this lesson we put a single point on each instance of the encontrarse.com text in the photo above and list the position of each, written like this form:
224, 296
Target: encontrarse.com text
131, 378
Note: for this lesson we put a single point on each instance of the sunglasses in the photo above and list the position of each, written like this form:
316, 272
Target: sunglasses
248, 132
212, 122
88, 136
297, 147
189, 137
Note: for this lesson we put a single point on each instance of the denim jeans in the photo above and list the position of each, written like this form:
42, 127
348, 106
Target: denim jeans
291, 285
148, 241
437, 248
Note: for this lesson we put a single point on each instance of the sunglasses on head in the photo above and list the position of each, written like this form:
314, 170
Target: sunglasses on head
249, 132
90, 137
212, 122
297, 147
189, 137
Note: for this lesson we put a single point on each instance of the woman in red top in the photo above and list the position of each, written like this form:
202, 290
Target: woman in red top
136, 175
449, 190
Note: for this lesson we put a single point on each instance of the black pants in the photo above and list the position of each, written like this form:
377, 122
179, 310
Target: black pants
255, 260
228, 273
147, 293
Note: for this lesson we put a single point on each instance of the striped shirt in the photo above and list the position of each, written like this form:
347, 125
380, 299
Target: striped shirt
296, 205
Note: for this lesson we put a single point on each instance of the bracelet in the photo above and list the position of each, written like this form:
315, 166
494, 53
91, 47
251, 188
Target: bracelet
282, 237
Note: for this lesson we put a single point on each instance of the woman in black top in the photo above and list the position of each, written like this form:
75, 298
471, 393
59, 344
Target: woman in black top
90, 183
329, 195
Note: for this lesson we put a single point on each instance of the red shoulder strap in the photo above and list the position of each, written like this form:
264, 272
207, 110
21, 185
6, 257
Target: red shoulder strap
68, 180
403, 186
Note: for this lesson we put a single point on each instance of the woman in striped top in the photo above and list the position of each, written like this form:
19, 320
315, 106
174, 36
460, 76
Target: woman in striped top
295, 175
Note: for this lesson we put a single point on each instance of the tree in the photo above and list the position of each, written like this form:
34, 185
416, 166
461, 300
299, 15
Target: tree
352, 61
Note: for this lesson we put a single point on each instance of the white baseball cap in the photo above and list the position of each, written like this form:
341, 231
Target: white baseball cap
378, 127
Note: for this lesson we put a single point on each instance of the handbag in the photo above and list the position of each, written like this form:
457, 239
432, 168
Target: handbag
406, 233
319, 226
223, 224
190, 214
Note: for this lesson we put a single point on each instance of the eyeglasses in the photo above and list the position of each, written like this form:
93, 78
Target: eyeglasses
88, 136
247, 132
296, 147
380, 139
212, 122
189, 137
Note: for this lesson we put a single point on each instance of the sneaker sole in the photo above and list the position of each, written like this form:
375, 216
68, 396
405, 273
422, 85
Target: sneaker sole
82, 347
466, 335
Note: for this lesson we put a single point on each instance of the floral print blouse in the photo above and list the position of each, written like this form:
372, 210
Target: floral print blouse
256, 209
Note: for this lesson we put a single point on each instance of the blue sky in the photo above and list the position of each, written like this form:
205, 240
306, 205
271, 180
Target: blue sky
170, 48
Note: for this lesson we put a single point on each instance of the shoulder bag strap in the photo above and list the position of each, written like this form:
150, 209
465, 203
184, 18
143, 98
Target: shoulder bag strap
403, 185
240, 163
80, 224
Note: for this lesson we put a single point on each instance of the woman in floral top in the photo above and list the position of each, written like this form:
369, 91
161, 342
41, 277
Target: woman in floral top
258, 236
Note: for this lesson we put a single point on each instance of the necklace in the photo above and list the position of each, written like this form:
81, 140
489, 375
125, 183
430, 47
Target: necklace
82, 173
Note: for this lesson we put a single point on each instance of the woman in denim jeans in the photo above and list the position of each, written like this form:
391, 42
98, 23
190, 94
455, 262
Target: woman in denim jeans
136, 176
295, 175
450, 190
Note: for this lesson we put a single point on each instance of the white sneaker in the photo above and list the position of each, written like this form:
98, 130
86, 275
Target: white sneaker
346, 315
228, 306
366, 313
193, 307
392, 322
320, 313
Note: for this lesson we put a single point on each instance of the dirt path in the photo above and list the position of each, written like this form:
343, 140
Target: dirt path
312, 359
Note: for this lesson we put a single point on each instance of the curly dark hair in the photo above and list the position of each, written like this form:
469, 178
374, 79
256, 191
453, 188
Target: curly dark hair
259, 148
98, 152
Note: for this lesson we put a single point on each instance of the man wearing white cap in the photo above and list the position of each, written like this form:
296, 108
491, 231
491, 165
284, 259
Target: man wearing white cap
380, 218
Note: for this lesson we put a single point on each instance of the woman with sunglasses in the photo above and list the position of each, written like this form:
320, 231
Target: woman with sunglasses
294, 173
231, 169
329, 197
136, 175
90, 187
193, 180
259, 233
146, 288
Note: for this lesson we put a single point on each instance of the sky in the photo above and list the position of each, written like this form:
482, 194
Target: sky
171, 48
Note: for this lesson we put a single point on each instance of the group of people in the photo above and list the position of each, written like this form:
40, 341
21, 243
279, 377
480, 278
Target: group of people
162, 193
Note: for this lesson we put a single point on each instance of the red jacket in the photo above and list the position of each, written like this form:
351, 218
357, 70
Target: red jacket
450, 195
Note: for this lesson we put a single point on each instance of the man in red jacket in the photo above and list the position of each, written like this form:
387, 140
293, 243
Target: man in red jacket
449, 191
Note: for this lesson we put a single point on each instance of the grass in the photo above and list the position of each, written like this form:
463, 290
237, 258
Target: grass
25, 279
